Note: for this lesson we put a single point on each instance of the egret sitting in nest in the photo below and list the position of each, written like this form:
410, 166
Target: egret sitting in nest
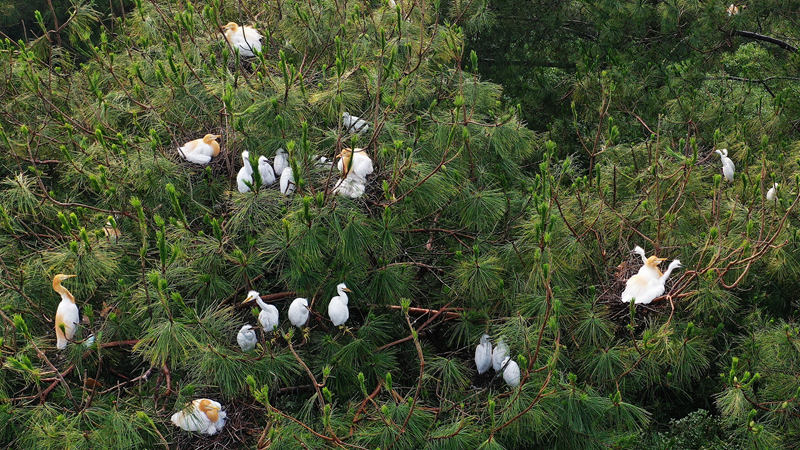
246, 39
200, 151
643, 289
67, 315
650, 268
355, 165
203, 416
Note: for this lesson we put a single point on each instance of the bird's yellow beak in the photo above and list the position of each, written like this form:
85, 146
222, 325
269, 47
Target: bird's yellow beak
64, 277
248, 299
347, 290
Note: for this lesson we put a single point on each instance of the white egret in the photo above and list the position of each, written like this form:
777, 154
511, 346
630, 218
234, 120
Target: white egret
281, 161
499, 354
483, 354
733, 10
354, 124
644, 289
246, 338
246, 39
355, 165
728, 168
269, 318
287, 181
200, 151
203, 415
650, 267
265, 170
245, 175
337, 308
772, 193
298, 312
511, 372
67, 315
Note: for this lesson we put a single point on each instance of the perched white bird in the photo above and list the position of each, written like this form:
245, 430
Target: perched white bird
67, 315
354, 124
287, 182
337, 308
733, 10
246, 39
499, 354
355, 165
202, 415
298, 312
727, 165
483, 354
246, 338
269, 316
644, 289
265, 170
511, 372
245, 175
772, 193
281, 161
200, 151
650, 267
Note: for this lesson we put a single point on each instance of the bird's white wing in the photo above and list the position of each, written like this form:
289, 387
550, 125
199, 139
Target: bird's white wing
242, 178
287, 181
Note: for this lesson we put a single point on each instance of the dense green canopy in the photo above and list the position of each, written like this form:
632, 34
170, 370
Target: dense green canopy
507, 207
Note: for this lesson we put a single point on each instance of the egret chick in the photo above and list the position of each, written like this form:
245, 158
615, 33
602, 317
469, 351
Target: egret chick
244, 179
772, 193
337, 308
200, 151
645, 290
499, 355
483, 354
269, 316
281, 161
203, 415
246, 338
298, 312
67, 315
354, 124
246, 39
287, 182
511, 372
728, 168
265, 170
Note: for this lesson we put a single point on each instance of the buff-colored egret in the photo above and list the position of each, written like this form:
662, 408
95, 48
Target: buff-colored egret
354, 124
265, 170
281, 161
337, 308
200, 151
67, 315
246, 337
643, 289
298, 312
355, 165
772, 193
728, 168
650, 265
511, 372
483, 354
203, 415
732, 10
244, 179
246, 39
499, 354
287, 181
269, 318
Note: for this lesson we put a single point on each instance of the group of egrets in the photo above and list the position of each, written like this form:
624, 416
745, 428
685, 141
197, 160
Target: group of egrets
498, 359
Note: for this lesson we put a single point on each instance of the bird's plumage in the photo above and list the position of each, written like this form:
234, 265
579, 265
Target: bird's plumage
511, 372
246, 338
269, 317
266, 171
245, 175
244, 38
281, 161
354, 124
203, 415
355, 165
337, 308
772, 193
499, 354
287, 181
644, 289
728, 168
483, 354
200, 151
298, 312
649, 267
67, 314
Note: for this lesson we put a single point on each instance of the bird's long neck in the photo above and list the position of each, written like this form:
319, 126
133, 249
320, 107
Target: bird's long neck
246, 164
261, 303
342, 295
666, 274
64, 292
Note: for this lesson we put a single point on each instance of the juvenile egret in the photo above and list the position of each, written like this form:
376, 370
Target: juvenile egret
298, 312
511, 372
200, 151
246, 338
203, 415
287, 182
354, 124
772, 193
245, 175
499, 355
337, 308
483, 354
246, 39
650, 267
67, 315
643, 289
727, 165
281, 161
265, 170
733, 10
269, 316
355, 165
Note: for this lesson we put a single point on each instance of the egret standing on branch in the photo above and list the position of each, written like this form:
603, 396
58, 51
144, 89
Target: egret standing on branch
337, 308
269, 316
298, 312
67, 315
246, 39
727, 165
200, 151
